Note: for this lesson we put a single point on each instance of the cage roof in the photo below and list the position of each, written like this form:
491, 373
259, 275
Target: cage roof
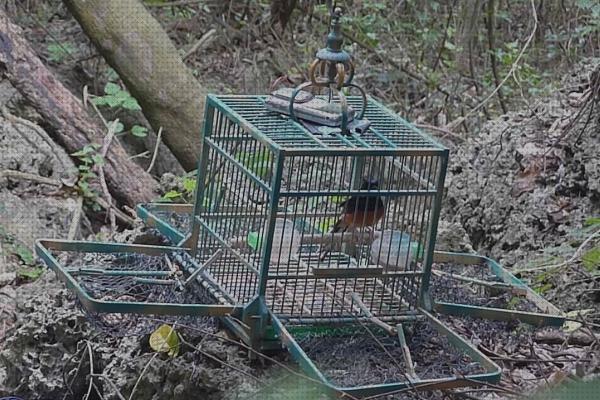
388, 131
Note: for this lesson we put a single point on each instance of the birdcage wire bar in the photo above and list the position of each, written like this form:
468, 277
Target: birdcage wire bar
264, 175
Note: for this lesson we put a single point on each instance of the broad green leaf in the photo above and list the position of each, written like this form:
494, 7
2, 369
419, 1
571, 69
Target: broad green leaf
253, 240
112, 88
139, 131
59, 51
113, 101
165, 340
131, 104
98, 159
117, 126
173, 194
112, 75
100, 101
30, 273
85, 151
592, 221
189, 185
24, 253
591, 259
121, 95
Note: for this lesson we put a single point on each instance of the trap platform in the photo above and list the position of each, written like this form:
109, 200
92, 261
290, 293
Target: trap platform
261, 248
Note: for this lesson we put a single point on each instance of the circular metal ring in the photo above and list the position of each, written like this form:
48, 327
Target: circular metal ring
350, 68
293, 97
279, 81
311, 71
341, 74
344, 106
363, 94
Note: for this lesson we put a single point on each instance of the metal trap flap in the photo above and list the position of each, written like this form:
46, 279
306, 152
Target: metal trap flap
128, 278
472, 285
350, 358
492, 291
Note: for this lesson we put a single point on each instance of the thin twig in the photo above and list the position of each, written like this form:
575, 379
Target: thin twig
89, 347
508, 75
144, 154
201, 43
141, 375
121, 216
569, 261
9, 173
158, 136
74, 227
107, 141
218, 360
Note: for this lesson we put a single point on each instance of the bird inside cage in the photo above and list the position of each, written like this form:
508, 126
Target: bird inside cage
358, 212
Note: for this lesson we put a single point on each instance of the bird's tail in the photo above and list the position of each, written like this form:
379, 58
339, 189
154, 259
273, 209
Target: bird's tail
340, 226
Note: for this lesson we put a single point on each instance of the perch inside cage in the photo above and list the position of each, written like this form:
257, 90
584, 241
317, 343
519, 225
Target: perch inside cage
314, 222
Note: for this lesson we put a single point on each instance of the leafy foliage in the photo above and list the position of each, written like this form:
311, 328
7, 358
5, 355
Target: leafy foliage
259, 162
88, 158
10, 245
591, 260
31, 273
115, 97
58, 52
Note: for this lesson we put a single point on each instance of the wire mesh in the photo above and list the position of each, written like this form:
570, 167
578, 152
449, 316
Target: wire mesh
306, 229
358, 355
135, 277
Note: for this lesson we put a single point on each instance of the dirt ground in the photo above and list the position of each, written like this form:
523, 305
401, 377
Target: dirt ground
519, 191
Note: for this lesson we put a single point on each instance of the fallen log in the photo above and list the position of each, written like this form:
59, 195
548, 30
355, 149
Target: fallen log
65, 118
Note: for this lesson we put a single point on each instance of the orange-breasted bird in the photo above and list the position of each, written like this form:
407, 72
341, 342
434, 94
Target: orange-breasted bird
360, 211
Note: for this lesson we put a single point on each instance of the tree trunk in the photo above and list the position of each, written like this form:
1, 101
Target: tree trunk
466, 32
65, 118
136, 46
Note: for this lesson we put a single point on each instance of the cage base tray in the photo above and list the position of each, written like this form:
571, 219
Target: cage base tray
470, 366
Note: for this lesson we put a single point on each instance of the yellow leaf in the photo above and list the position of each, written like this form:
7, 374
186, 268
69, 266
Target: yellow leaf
165, 340
571, 326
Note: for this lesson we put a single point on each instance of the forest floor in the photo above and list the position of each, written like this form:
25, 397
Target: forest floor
524, 189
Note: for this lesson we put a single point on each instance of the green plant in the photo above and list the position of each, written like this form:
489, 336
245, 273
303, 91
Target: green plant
187, 183
57, 52
11, 246
259, 162
30, 273
116, 97
88, 158
24, 253
591, 260
165, 340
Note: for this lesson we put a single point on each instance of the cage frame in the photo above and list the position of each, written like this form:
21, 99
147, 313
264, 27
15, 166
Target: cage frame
257, 310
